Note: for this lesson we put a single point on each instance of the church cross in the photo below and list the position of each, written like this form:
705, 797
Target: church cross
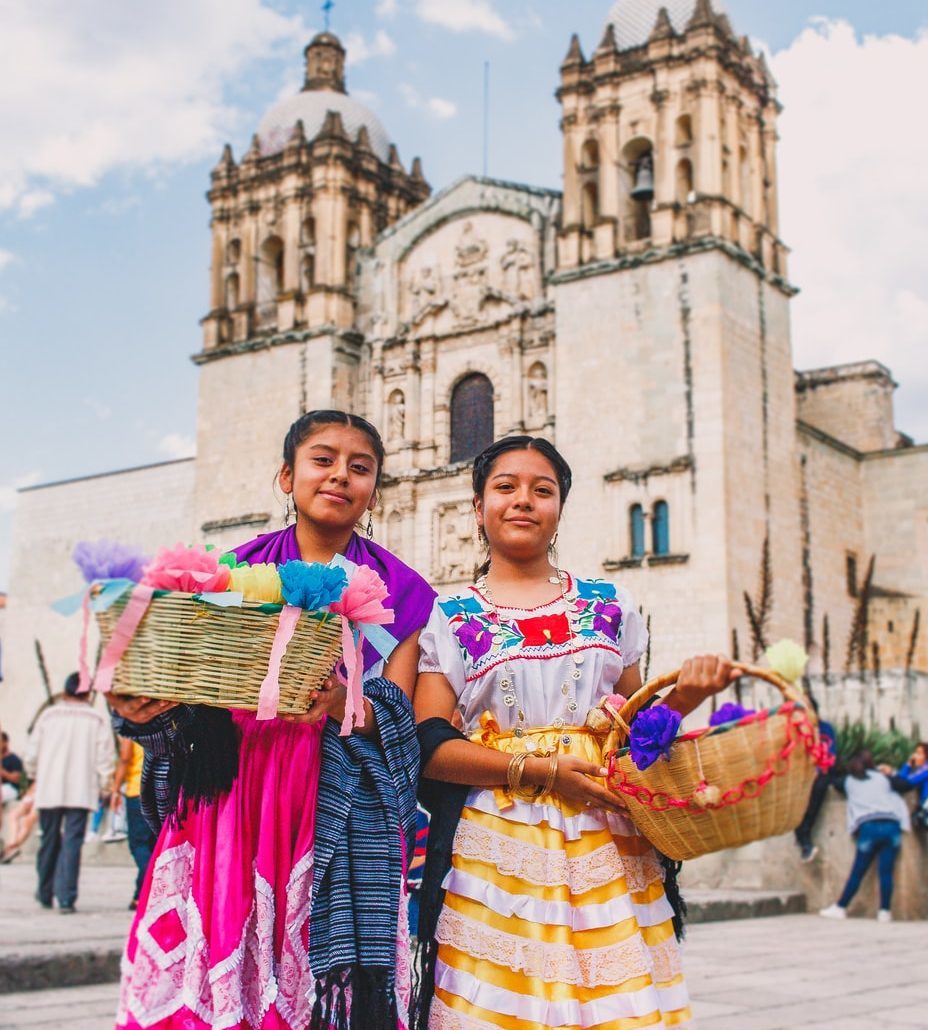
327, 12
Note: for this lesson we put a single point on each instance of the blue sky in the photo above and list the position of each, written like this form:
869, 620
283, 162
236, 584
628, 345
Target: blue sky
112, 114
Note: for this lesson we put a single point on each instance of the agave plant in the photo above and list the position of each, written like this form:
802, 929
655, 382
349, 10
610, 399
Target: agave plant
891, 746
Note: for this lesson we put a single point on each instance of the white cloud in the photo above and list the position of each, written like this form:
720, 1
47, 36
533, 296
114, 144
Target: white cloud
359, 49
854, 205
437, 107
8, 490
91, 87
464, 16
177, 445
385, 8
6, 258
101, 410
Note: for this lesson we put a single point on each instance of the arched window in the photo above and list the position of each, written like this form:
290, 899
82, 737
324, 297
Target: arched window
233, 251
471, 417
636, 530
684, 180
352, 244
270, 269
232, 291
684, 130
660, 528
589, 156
590, 205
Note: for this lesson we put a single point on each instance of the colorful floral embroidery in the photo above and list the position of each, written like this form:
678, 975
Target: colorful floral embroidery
594, 614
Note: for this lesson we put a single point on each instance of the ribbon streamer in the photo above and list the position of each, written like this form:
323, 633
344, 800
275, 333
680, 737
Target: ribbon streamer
124, 631
269, 694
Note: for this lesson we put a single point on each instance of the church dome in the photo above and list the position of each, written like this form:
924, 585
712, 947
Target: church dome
633, 20
310, 107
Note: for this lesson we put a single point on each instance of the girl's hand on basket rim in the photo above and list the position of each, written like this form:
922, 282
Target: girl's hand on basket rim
329, 699
700, 677
138, 709
573, 782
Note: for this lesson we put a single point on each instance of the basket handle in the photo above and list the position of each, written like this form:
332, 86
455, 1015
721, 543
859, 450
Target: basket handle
644, 693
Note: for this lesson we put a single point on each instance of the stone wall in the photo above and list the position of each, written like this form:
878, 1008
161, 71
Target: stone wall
147, 507
773, 864
853, 403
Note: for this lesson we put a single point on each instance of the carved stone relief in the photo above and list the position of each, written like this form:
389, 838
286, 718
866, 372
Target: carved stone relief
396, 416
518, 267
454, 548
537, 386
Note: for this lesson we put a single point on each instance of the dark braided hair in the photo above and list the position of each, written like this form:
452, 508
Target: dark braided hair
306, 423
486, 459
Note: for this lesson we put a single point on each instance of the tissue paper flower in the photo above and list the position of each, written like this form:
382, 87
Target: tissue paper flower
788, 659
729, 712
105, 559
259, 582
191, 570
363, 598
312, 585
652, 733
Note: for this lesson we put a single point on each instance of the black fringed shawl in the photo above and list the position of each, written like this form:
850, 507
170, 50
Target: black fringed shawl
445, 802
365, 813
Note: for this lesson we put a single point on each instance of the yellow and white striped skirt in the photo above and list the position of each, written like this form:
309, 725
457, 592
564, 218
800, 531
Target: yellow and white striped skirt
554, 917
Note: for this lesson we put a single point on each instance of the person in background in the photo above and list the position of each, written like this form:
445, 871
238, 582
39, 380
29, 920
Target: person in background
70, 755
877, 817
914, 776
803, 832
20, 823
128, 780
11, 770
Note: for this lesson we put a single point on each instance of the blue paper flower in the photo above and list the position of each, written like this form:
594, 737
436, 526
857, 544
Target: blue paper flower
729, 712
311, 586
105, 559
652, 733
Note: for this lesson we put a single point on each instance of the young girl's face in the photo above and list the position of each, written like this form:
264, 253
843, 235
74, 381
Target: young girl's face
334, 476
521, 505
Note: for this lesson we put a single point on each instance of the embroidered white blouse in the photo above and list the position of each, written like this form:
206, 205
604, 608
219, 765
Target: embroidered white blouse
585, 639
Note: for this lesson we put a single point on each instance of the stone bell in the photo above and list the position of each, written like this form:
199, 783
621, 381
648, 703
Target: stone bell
644, 178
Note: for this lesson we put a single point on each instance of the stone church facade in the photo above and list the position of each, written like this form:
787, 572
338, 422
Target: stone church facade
640, 319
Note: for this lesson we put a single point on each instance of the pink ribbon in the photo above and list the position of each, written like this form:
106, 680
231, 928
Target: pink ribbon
362, 602
269, 694
83, 686
128, 623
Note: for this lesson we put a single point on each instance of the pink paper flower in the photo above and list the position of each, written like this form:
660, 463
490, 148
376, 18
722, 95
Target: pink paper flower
191, 570
363, 598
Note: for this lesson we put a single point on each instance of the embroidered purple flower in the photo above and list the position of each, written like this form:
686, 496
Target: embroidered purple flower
652, 733
475, 638
607, 618
729, 712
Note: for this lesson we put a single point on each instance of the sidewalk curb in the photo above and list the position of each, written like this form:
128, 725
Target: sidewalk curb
37, 968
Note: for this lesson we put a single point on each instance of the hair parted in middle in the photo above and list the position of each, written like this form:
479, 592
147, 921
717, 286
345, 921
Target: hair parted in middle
486, 459
306, 423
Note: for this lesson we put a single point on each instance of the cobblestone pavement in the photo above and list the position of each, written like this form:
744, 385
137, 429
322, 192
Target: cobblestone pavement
776, 973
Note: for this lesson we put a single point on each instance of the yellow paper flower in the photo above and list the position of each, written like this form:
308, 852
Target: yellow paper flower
787, 658
258, 583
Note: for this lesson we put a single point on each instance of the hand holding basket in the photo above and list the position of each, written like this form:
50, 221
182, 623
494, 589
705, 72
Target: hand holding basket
722, 786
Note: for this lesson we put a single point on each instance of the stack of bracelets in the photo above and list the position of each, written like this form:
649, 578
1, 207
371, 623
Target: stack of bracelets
514, 777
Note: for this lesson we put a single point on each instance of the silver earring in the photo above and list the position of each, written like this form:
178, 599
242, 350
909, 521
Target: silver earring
552, 551
289, 513
369, 529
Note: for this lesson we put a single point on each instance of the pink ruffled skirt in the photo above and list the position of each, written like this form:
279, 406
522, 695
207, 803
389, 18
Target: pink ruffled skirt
221, 935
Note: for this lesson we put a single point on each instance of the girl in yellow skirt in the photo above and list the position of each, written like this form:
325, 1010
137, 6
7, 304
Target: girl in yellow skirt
547, 908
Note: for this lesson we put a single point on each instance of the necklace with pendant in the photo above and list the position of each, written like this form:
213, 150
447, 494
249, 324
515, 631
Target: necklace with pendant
507, 683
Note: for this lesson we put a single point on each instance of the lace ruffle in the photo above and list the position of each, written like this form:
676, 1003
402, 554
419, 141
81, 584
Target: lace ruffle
560, 963
548, 868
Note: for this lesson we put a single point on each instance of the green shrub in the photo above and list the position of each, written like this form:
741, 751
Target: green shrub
890, 746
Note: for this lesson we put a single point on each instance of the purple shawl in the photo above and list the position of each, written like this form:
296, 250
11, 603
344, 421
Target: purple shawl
408, 594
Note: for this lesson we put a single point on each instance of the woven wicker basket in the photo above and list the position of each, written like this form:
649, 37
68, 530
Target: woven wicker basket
190, 651
724, 786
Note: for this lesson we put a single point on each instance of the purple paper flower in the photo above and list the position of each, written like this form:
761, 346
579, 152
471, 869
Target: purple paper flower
729, 712
474, 637
652, 733
105, 559
607, 618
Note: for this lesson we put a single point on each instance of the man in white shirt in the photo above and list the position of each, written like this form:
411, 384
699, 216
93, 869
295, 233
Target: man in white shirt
70, 755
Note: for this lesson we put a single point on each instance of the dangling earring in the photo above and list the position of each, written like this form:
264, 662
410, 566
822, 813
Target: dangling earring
369, 529
552, 551
289, 513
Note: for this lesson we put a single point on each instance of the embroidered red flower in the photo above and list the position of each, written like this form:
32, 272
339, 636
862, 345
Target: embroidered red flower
546, 629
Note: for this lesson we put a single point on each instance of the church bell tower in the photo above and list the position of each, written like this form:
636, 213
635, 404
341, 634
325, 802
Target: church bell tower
318, 183
674, 361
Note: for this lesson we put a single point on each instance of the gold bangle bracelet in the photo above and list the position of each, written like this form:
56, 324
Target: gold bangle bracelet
514, 771
552, 774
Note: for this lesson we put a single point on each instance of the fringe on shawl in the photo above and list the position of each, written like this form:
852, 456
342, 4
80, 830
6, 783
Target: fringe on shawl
355, 998
203, 761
